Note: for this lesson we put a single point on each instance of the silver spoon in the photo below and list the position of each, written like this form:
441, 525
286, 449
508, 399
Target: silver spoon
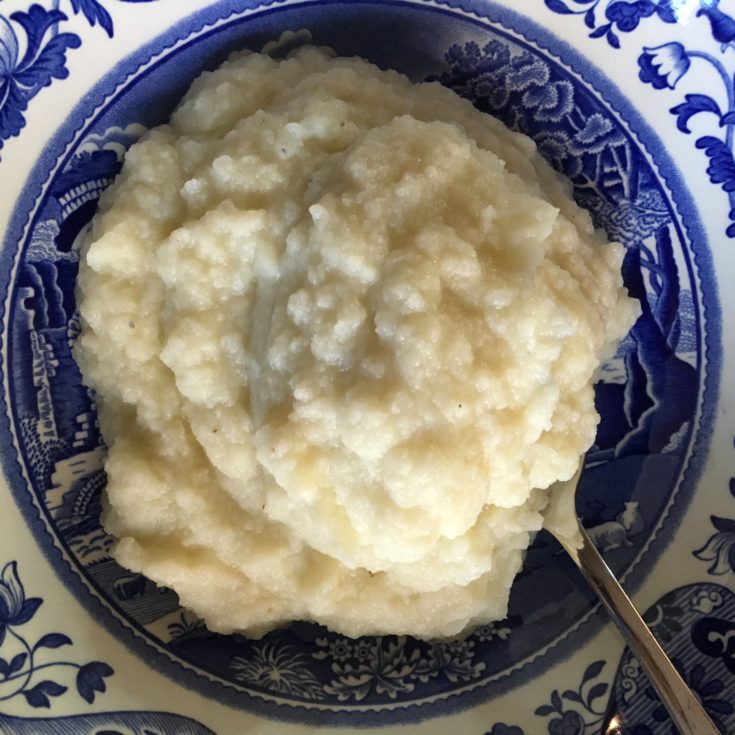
682, 704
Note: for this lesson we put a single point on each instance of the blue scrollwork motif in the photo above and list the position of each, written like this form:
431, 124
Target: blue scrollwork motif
44, 59
38, 32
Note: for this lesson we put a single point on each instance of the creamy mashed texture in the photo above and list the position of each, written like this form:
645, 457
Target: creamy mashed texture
343, 330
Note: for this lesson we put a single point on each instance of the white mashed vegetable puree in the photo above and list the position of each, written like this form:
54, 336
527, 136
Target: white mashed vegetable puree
343, 330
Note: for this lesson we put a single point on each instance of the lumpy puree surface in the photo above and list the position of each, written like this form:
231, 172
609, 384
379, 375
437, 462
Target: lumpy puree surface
343, 330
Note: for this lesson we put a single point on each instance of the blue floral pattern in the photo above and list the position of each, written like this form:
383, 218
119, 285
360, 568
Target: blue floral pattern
575, 710
25, 672
21, 662
696, 626
719, 550
37, 30
44, 59
665, 66
606, 18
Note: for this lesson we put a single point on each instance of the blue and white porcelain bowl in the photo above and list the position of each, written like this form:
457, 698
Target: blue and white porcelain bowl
635, 102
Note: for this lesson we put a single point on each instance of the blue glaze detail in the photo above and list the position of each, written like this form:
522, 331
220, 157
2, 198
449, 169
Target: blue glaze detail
719, 549
26, 672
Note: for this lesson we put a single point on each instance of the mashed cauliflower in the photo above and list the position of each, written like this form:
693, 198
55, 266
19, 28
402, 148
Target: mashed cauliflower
343, 330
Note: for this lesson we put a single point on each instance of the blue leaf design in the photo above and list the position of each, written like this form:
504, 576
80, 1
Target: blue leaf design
543, 710
94, 13
16, 663
52, 640
51, 688
613, 40
721, 169
90, 679
694, 104
727, 119
27, 611
36, 698
40, 64
556, 700
571, 695
732, 479
36, 22
557, 6
596, 692
601, 31
589, 18
593, 671
4, 668
39, 695
49, 64
666, 13
11, 117
724, 525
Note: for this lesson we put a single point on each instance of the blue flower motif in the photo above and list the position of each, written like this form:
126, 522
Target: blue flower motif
723, 26
44, 59
278, 669
720, 548
663, 66
94, 13
626, 16
526, 71
14, 608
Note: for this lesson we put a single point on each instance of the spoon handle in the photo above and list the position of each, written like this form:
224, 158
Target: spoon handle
683, 706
